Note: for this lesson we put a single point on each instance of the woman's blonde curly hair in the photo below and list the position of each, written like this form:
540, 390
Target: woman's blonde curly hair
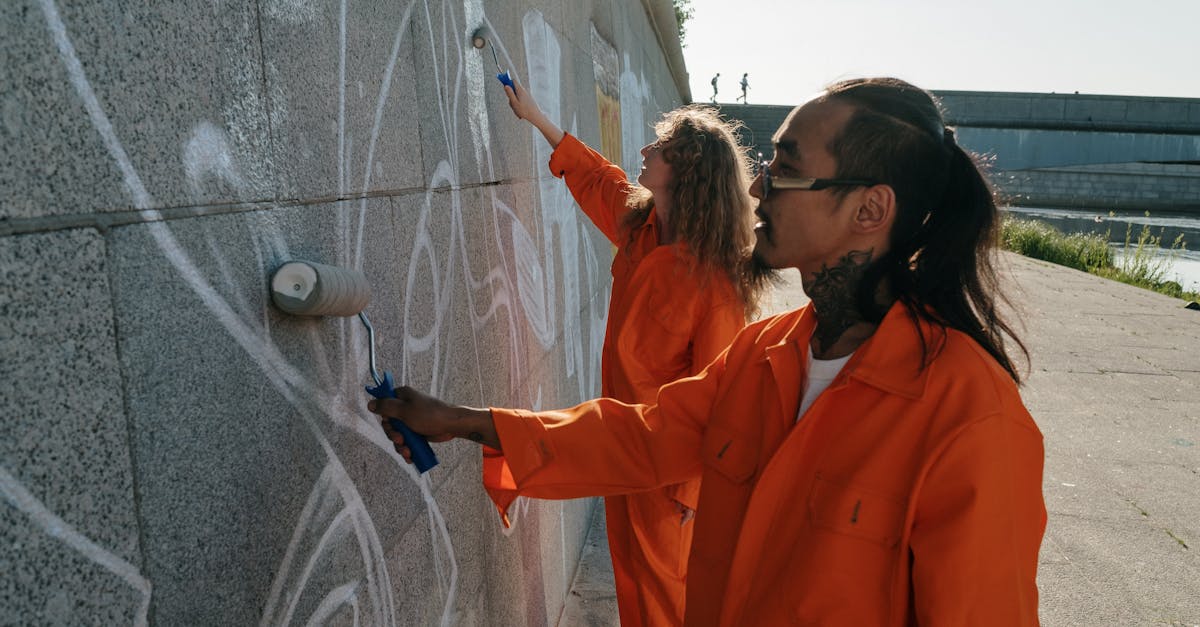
712, 211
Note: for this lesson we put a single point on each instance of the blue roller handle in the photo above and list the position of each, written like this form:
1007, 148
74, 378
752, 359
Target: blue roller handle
422, 454
504, 78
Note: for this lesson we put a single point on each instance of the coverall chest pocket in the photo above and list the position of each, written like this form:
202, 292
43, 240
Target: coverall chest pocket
657, 337
730, 452
853, 510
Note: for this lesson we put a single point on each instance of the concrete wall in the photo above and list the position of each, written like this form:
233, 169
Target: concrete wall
1042, 153
1090, 112
176, 451
1141, 186
759, 125
1084, 151
1027, 149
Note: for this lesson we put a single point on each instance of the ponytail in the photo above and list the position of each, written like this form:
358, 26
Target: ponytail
955, 273
942, 250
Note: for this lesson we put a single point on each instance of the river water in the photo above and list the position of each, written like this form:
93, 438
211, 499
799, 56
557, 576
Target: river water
1184, 266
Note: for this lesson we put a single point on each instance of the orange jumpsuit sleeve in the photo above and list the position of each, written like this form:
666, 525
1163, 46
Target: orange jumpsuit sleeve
598, 186
978, 527
601, 447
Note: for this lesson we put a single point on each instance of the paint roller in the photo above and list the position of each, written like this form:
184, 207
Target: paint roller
305, 288
479, 41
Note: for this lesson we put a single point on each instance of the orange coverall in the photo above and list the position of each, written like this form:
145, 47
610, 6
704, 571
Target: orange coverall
664, 323
904, 496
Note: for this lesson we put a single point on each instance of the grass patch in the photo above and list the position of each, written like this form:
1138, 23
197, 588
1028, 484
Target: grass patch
1145, 262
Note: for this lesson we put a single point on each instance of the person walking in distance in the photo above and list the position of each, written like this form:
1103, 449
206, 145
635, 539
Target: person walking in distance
683, 286
714, 86
745, 86
866, 458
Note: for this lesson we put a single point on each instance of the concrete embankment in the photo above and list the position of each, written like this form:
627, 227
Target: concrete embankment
1114, 384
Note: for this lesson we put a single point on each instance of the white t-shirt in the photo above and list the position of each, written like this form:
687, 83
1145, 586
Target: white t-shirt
821, 373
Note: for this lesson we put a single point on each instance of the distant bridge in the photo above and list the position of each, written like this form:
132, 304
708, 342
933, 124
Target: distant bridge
1062, 150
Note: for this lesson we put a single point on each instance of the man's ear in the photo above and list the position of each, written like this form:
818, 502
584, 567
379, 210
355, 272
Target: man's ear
877, 209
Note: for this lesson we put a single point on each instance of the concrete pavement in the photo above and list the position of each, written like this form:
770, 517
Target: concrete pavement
1115, 388
1114, 384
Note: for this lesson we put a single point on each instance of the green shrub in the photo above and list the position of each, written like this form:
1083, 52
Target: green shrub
1143, 263
1039, 240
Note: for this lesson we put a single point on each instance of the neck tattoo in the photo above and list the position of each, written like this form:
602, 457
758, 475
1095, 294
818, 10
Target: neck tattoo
832, 291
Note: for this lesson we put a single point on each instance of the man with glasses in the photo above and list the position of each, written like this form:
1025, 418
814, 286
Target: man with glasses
865, 459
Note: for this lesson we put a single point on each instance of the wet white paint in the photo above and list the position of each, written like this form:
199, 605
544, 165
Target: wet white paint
206, 155
475, 77
636, 132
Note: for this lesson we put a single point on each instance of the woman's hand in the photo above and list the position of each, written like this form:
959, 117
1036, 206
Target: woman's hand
526, 108
436, 420
522, 102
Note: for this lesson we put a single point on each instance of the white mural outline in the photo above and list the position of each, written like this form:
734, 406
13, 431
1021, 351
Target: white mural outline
519, 293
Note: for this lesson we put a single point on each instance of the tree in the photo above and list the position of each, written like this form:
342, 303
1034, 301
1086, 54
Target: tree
683, 13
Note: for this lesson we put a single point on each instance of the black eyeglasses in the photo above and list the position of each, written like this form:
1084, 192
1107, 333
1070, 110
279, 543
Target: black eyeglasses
779, 182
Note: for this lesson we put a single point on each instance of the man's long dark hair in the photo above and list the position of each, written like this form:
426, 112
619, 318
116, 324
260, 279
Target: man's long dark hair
941, 262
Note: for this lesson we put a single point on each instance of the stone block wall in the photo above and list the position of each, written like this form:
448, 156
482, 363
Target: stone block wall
175, 450
1130, 187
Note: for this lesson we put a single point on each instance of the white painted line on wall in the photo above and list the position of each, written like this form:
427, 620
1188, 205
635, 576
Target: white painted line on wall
58, 529
476, 80
384, 92
338, 529
345, 594
100, 121
278, 371
536, 290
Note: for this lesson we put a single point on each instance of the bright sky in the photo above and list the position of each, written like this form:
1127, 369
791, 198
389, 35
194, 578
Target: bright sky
792, 48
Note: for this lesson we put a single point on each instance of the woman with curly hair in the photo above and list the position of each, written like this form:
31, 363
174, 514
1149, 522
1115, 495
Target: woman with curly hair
683, 286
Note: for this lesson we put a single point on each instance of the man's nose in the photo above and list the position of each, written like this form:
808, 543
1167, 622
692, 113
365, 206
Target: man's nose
756, 186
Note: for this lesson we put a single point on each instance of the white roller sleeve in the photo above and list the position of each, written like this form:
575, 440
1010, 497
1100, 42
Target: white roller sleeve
313, 289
